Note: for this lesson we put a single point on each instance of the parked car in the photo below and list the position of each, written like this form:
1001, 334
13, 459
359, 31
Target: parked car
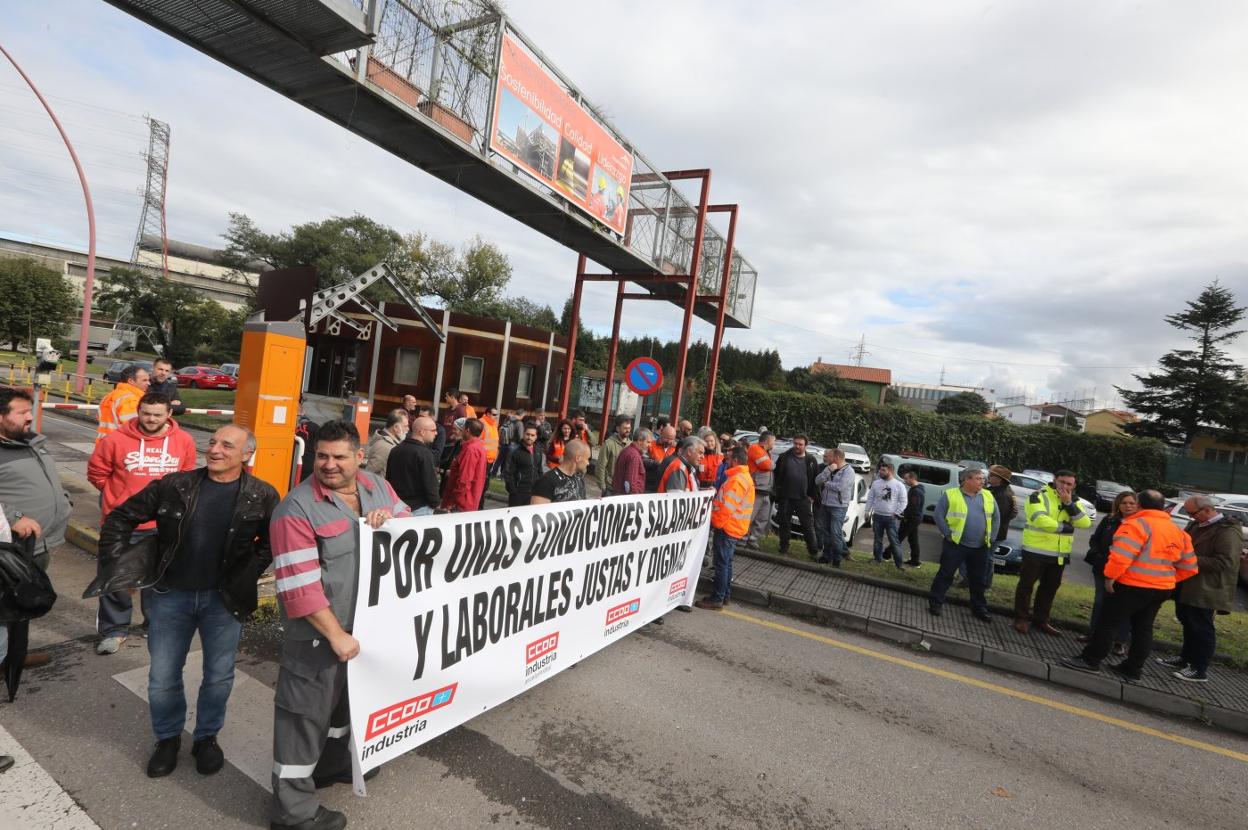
856, 517
113, 373
745, 436
1106, 492
205, 377
1007, 556
1044, 476
856, 457
1024, 484
971, 464
935, 476
230, 369
1240, 514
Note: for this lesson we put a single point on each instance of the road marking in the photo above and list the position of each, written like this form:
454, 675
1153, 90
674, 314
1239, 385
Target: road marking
993, 687
30, 797
247, 737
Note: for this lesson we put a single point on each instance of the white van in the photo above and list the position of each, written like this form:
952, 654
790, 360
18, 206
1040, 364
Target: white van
935, 476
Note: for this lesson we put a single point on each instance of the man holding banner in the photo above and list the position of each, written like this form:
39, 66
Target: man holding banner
730, 517
316, 550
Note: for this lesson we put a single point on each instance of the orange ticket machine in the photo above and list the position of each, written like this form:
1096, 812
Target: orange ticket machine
359, 411
270, 380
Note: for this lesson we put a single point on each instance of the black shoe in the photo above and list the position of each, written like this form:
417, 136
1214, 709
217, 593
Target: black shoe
688, 609
164, 758
343, 778
1124, 672
323, 820
913, 563
933, 609
657, 621
208, 756
823, 560
1079, 664
982, 616
6, 761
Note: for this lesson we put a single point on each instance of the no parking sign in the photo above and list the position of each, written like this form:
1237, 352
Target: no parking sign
644, 376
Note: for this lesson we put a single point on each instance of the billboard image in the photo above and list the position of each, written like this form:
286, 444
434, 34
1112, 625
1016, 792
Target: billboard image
539, 127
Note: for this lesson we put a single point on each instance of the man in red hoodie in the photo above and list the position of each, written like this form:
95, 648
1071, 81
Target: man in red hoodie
145, 448
465, 482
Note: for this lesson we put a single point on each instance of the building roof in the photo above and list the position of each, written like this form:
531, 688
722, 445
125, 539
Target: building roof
1121, 414
863, 374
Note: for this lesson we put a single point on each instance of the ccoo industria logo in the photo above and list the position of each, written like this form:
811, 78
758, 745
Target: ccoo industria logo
391, 717
676, 590
540, 655
617, 616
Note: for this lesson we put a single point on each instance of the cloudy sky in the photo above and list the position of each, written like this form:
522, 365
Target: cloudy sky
1011, 193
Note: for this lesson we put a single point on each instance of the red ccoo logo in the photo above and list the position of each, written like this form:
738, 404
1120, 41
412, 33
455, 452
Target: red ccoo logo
678, 587
538, 649
623, 610
383, 720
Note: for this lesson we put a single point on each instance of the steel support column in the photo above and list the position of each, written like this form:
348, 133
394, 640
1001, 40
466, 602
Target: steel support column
707, 405
691, 298
574, 324
611, 355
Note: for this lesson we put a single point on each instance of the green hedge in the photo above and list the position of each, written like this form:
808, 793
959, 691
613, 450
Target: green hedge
897, 429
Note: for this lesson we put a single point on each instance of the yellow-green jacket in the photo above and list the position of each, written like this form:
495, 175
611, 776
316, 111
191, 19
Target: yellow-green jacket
1050, 528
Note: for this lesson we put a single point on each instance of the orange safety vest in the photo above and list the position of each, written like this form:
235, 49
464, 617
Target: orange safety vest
760, 461
469, 412
674, 463
490, 439
118, 406
734, 503
710, 468
1148, 551
658, 452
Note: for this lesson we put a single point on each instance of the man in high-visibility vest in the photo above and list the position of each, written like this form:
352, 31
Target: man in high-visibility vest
1148, 557
761, 465
679, 472
1053, 513
964, 515
730, 518
489, 420
122, 404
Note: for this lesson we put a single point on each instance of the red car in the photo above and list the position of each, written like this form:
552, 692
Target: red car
206, 377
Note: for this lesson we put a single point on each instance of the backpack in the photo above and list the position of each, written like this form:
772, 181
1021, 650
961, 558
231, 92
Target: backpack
25, 591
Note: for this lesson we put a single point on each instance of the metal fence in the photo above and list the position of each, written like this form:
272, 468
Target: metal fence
1213, 476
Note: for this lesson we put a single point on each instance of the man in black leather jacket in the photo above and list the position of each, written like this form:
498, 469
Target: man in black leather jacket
211, 544
793, 489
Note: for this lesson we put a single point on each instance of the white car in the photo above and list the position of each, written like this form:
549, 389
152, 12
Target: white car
856, 457
1024, 485
856, 517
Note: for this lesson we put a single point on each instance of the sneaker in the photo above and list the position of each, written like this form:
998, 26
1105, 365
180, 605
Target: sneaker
1190, 675
1175, 662
208, 756
1125, 673
109, 645
164, 758
933, 609
1079, 664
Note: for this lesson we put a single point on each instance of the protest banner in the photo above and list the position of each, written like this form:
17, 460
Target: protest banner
458, 613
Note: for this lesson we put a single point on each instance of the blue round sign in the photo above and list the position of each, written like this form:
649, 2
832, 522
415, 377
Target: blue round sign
644, 376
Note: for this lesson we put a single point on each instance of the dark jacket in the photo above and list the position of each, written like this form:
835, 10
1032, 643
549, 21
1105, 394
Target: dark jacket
521, 471
780, 476
412, 471
170, 390
168, 502
1007, 508
916, 499
1102, 538
30, 485
1218, 547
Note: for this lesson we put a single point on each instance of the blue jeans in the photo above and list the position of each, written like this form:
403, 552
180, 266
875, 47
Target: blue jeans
1200, 638
174, 618
722, 548
881, 525
830, 526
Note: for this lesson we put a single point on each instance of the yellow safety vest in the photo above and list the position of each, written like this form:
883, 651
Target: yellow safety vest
956, 515
1044, 519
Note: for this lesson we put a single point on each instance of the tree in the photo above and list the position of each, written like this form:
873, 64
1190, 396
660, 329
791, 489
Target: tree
828, 384
963, 403
34, 302
182, 319
1195, 387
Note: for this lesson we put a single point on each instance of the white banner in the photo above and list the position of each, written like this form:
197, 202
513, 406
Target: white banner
458, 613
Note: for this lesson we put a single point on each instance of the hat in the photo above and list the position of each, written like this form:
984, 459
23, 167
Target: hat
459, 423
1001, 472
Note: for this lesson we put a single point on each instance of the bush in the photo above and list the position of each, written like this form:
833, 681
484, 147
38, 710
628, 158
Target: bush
1137, 462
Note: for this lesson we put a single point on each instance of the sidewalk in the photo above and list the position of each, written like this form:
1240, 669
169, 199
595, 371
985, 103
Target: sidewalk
901, 616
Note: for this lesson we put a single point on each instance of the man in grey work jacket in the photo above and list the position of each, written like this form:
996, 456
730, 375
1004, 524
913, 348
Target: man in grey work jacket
835, 484
316, 550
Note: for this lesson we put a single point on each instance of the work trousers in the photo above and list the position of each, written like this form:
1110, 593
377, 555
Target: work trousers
1046, 571
761, 520
909, 533
311, 727
784, 518
952, 557
1098, 602
1200, 638
1127, 602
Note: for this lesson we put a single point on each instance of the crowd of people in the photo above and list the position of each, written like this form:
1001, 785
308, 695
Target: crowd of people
191, 542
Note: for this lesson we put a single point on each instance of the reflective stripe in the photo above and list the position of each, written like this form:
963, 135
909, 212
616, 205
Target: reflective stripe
952, 514
293, 770
294, 558
1127, 540
1165, 570
1122, 551
297, 581
338, 731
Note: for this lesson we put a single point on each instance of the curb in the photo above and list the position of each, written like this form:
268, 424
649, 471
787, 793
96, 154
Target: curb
1095, 684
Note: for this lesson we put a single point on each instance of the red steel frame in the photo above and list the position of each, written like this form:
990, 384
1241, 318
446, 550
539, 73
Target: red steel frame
691, 298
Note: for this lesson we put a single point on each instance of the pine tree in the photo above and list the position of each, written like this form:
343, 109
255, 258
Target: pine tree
1196, 386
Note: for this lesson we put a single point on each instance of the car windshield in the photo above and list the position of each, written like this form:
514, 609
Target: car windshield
1026, 481
852, 448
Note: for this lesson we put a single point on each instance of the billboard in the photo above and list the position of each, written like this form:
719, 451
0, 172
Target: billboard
540, 128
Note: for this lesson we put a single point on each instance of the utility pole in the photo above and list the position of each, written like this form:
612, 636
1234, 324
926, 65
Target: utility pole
859, 352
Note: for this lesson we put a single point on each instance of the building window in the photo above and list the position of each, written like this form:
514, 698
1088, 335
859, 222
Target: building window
470, 373
524, 381
407, 367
